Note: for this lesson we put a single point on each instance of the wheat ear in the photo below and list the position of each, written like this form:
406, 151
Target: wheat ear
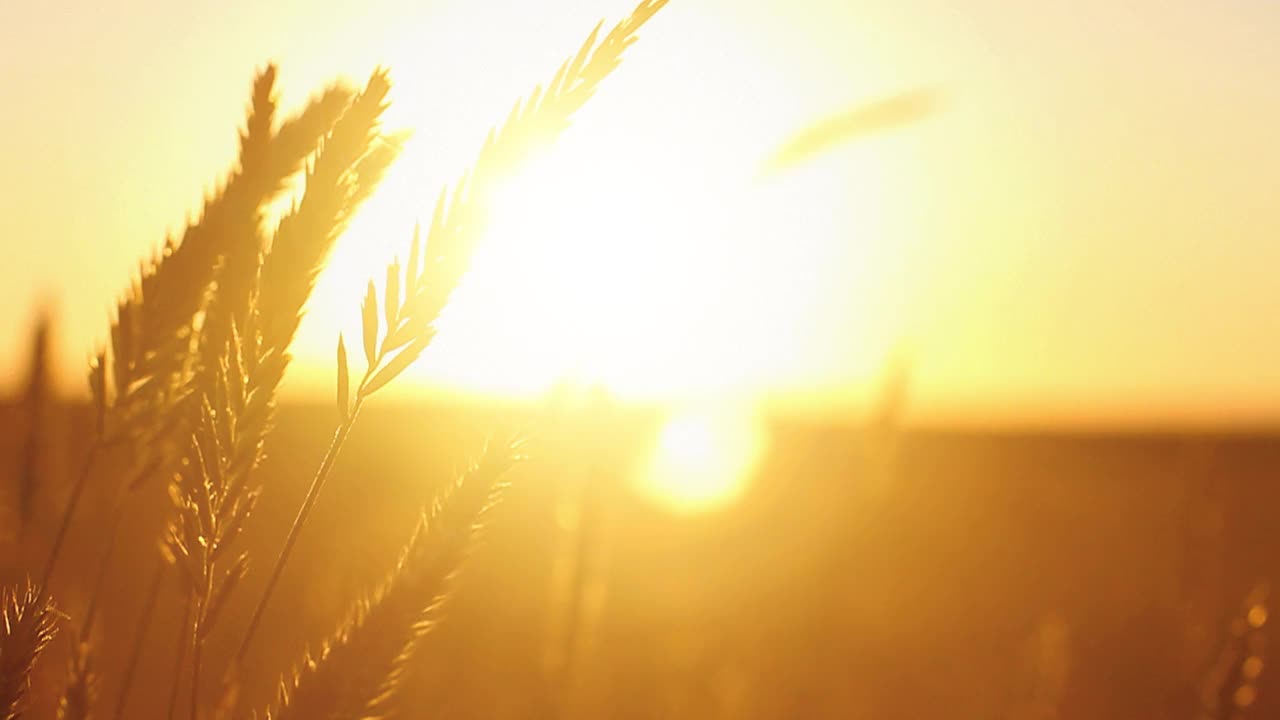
411, 305
358, 672
28, 627
270, 159
175, 288
296, 139
212, 499
140, 382
349, 165
213, 494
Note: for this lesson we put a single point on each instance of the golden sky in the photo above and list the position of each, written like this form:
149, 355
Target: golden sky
1086, 228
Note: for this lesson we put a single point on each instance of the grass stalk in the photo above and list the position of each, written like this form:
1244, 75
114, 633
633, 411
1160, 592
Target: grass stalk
180, 657
140, 638
68, 513
197, 652
359, 671
238, 381
113, 535
456, 228
313, 493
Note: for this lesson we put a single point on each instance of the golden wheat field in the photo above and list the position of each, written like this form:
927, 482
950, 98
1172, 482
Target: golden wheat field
718, 359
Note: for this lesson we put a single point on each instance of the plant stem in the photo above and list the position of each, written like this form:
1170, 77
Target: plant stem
91, 609
317, 483
200, 603
139, 638
182, 654
196, 647
72, 503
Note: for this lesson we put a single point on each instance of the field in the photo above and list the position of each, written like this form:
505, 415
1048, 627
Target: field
833, 590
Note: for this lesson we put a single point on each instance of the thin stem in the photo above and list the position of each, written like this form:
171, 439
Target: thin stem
72, 503
91, 609
201, 606
181, 655
317, 483
196, 647
140, 638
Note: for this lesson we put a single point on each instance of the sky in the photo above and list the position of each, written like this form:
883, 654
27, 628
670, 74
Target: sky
1085, 229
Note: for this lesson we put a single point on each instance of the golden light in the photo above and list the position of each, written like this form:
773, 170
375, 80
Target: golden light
644, 252
702, 460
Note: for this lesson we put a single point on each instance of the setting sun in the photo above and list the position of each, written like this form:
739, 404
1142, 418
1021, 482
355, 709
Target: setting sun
649, 262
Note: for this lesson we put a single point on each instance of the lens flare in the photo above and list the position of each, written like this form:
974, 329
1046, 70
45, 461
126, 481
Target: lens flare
703, 459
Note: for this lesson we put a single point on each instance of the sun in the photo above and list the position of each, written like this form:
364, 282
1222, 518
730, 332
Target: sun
643, 252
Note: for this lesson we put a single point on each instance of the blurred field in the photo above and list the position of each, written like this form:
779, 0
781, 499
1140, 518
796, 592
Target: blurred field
936, 574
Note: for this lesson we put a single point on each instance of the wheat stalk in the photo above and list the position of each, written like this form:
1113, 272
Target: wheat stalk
180, 656
412, 305
138, 385
175, 288
213, 493
349, 165
135, 408
28, 627
358, 672
213, 498
180, 382
212, 505
297, 138
139, 639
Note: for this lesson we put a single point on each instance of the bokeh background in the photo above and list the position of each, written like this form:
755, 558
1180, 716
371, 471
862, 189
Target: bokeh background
972, 416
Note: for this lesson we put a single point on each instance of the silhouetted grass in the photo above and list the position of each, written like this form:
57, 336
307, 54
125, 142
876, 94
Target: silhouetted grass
186, 387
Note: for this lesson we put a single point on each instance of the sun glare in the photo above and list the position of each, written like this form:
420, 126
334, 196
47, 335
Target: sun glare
702, 460
644, 252
646, 268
